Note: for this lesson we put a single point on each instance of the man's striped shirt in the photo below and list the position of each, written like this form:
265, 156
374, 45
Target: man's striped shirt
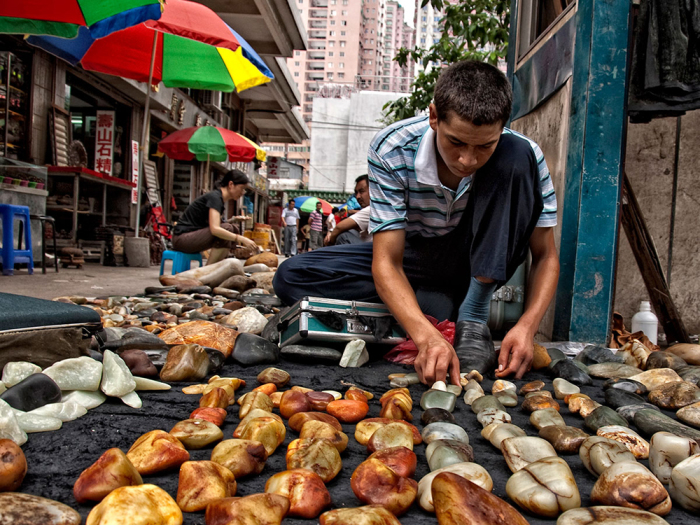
316, 221
406, 193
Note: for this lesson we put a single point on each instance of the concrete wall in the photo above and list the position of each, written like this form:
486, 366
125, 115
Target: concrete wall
340, 137
650, 164
548, 125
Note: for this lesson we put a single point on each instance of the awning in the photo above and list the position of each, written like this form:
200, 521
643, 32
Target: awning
271, 27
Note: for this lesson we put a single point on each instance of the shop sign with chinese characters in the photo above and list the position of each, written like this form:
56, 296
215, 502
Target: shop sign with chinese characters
104, 141
134, 171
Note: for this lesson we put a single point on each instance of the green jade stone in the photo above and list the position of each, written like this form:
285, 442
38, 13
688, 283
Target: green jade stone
487, 402
604, 416
438, 399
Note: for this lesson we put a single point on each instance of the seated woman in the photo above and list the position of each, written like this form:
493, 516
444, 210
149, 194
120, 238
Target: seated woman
200, 227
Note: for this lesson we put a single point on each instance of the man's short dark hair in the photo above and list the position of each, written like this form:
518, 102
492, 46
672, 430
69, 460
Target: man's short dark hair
335, 210
475, 91
361, 178
235, 176
291, 201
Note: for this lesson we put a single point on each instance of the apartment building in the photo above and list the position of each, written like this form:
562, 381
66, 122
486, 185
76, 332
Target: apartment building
398, 34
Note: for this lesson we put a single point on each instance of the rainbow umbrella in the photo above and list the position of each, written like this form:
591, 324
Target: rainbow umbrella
210, 143
63, 18
307, 204
189, 47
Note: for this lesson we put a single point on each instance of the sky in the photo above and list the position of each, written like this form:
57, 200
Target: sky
409, 8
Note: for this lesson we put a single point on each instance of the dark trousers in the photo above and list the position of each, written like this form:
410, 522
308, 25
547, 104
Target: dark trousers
490, 241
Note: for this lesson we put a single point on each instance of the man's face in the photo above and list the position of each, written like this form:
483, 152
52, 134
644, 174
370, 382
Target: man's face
319, 206
362, 193
291, 205
464, 147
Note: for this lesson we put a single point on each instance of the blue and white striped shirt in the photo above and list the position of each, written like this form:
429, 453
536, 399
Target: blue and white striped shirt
406, 193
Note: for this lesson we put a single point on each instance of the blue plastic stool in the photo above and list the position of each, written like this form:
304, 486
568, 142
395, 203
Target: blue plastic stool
181, 261
9, 256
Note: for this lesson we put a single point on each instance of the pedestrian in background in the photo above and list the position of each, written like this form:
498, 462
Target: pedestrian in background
290, 216
316, 232
330, 224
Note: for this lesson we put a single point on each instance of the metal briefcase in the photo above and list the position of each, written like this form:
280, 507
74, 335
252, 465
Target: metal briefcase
333, 320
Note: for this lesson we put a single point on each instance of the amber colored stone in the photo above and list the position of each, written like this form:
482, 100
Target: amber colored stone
391, 435
368, 395
111, 471
302, 389
366, 515
307, 494
267, 388
205, 333
318, 455
13, 466
567, 440
321, 430
214, 415
255, 400
631, 484
374, 483
293, 402
143, 503
399, 459
319, 400
267, 430
539, 402
582, 406
348, 411
185, 363
155, 451
240, 456
578, 395
196, 433
267, 509
296, 422
274, 375
458, 501
253, 414
215, 398
367, 427
203, 482
393, 392
540, 357
276, 398
532, 386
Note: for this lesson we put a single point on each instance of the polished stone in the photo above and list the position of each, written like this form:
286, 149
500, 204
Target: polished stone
583, 406
435, 415
25, 509
532, 386
445, 452
117, 380
366, 515
36, 423
661, 359
16, 371
404, 380
521, 451
89, 400
629, 411
567, 369
274, 375
203, 482
442, 430
613, 370
241, 456
64, 411
472, 391
563, 388
251, 349
486, 402
156, 451
544, 488
458, 501
438, 399
656, 377
307, 494
492, 415
628, 437
540, 357
616, 398
598, 453
666, 450
651, 421
497, 432
627, 385
111, 471
318, 455
185, 363
592, 355
355, 354
196, 433
613, 488
635, 354
143, 383
139, 363
508, 398
685, 483
78, 373
500, 385
673, 396
546, 417
539, 401
32, 392
566, 440
150, 503
690, 414
9, 426
387, 436
609, 515
604, 416
471, 471
311, 354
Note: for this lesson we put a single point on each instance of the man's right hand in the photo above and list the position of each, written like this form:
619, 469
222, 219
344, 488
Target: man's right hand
435, 359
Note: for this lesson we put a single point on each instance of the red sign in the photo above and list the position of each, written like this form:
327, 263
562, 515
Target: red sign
104, 141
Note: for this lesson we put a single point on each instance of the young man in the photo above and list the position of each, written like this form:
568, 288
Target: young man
316, 223
290, 217
457, 200
354, 229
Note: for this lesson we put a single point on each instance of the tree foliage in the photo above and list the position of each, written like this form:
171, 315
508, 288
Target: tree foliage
471, 30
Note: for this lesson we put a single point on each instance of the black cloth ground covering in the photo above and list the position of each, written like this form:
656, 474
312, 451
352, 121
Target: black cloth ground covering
56, 459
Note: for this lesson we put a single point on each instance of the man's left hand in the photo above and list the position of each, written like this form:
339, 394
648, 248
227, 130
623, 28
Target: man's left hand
516, 353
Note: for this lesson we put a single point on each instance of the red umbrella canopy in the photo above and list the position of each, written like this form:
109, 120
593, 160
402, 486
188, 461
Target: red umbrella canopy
207, 143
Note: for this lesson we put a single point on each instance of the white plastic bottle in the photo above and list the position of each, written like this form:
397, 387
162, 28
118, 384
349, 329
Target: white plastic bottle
645, 321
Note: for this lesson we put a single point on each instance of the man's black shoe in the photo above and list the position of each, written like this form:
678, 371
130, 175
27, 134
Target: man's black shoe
474, 347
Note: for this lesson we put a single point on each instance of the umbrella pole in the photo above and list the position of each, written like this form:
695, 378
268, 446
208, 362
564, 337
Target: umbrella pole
144, 134
206, 169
